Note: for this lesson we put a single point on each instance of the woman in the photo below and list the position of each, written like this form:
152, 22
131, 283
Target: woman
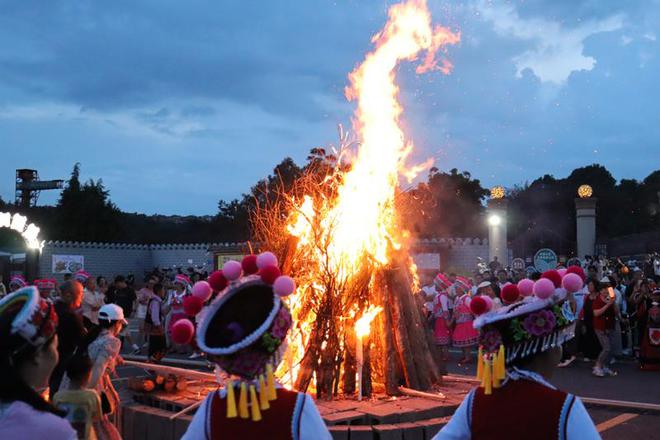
28, 355
464, 335
104, 353
649, 321
588, 343
175, 307
441, 331
605, 313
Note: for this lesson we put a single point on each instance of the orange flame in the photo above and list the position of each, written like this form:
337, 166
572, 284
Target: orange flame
359, 224
363, 325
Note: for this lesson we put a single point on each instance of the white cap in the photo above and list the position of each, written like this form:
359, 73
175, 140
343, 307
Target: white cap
606, 280
484, 284
112, 312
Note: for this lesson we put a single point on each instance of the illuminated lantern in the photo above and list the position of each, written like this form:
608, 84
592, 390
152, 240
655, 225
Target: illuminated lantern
497, 192
585, 191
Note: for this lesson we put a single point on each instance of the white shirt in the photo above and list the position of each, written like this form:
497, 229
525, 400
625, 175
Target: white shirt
579, 425
312, 426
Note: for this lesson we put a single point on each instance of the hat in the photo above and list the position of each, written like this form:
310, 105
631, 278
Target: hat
484, 284
605, 280
461, 286
112, 312
45, 284
441, 282
81, 276
183, 280
18, 281
36, 321
519, 330
244, 331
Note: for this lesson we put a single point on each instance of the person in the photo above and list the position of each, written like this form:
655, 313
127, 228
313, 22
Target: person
464, 336
143, 297
46, 287
486, 288
494, 265
519, 347
588, 343
71, 332
649, 319
174, 307
502, 278
16, 282
28, 355
244, 333
443, 323
154, 324
125, 297
3, 288
92, 302
605, 312
83, 405
104, 353
573, 308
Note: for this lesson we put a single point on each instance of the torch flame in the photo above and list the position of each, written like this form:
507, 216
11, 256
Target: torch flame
363, 325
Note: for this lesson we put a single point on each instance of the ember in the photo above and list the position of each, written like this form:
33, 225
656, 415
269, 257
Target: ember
338, 234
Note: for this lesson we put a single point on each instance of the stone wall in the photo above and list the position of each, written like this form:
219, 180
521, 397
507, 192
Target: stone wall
110, 259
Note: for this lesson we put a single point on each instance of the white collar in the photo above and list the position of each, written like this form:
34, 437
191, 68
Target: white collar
515, 373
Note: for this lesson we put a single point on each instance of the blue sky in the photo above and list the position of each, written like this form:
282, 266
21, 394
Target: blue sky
179, 104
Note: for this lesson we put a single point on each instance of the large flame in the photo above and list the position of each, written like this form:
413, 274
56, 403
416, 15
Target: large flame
362, 218
358, 224
363, 325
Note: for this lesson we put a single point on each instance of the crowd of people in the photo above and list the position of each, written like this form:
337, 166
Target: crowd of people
617, 310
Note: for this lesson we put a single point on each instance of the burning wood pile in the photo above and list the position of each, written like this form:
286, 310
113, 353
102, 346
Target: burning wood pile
337, 231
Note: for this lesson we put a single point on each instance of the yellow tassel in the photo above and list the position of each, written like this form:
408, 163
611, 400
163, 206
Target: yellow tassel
263, 394
242, 402
254, 405
272, 393
480, 364
501, 364
494, 376
486, 382
231, 401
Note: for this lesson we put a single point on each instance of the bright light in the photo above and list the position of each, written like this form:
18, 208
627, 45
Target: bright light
363, 325
494, 220
18, 223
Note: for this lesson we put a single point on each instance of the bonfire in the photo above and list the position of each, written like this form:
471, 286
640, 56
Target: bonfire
338, 233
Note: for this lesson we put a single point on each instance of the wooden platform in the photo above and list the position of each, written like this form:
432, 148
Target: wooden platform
147, 415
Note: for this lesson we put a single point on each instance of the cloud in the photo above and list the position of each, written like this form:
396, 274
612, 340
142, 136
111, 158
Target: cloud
557, 50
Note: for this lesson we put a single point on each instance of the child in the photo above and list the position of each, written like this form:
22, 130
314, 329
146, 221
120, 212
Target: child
153, 324
442, 315
464, 335
82, 404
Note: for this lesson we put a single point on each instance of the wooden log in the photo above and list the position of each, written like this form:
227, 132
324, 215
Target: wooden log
366, 368
348, 380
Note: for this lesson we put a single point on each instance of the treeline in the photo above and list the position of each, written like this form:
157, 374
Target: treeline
445, 204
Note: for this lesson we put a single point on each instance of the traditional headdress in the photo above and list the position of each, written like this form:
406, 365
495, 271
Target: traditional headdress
45, 284
441, 282
184, 280
36, 321
532, 325
81, 276
244, 330
18, 281
461, 286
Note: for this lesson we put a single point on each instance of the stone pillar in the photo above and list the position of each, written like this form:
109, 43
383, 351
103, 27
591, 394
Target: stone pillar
585, 218
497, 228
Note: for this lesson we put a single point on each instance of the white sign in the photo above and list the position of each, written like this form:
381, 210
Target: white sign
68, 263
427, 261
545, 259
518, 264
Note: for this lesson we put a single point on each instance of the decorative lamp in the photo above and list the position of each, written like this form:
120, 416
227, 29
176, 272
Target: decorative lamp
497, 192
585, 191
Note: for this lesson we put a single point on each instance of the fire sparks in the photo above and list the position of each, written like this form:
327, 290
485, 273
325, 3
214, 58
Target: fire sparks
363, 325
345, 234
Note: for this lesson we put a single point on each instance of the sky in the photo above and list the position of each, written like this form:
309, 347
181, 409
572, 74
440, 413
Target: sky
176, 105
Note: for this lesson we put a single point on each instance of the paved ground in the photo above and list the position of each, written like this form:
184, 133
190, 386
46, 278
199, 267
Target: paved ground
631, 385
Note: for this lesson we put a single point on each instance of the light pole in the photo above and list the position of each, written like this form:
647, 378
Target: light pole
497, 226
585, 219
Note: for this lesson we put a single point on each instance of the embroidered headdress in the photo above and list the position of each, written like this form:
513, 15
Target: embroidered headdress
534, 323
245, 328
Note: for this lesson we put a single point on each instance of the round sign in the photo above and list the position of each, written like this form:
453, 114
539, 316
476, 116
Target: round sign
545, 259
518, 264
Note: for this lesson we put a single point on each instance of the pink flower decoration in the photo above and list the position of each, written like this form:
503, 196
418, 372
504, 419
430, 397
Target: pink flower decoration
540, 323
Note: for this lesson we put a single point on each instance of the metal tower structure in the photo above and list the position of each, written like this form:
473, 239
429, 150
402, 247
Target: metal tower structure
28, 187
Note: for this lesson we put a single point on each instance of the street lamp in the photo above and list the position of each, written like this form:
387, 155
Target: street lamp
494, 220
